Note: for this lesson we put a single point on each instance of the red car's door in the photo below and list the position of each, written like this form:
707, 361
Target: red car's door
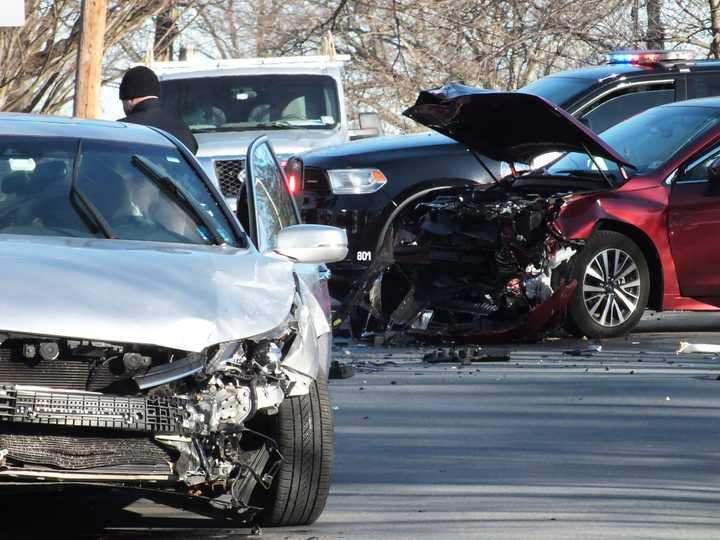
694, 225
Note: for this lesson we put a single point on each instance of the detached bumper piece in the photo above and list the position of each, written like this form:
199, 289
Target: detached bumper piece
37, 405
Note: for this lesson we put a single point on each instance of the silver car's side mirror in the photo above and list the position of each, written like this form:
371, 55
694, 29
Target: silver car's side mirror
312, 243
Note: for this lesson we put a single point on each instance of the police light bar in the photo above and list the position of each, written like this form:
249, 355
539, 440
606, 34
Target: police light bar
649, 57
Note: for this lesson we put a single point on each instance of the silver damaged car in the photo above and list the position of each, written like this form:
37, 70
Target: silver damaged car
149, 338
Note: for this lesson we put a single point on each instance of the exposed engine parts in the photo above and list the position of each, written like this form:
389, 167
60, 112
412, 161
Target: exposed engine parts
194, 407
472, 264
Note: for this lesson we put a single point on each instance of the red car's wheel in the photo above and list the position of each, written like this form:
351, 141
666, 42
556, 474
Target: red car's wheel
613, 287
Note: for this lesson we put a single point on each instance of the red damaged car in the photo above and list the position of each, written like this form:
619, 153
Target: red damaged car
615, 223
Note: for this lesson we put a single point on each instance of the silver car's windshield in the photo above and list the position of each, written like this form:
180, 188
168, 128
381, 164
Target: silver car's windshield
51, 186
253, 102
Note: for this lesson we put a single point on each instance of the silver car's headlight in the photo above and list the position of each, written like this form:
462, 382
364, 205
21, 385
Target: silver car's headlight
356, 181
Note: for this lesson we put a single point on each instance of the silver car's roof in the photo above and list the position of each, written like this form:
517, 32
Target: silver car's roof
33, 125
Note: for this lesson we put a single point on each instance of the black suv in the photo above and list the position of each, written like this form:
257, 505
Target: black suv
363, 186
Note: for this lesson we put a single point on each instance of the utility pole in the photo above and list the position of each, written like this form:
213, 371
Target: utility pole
89, 59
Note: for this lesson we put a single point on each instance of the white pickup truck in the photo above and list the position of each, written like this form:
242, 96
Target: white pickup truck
298, 102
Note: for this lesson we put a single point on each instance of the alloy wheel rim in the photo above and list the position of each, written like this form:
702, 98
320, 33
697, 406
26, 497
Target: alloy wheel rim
611, 287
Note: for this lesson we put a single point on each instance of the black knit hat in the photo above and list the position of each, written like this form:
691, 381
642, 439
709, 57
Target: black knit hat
139, 81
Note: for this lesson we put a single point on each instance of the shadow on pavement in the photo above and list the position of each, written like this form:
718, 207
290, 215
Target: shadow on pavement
89, 512
679, 321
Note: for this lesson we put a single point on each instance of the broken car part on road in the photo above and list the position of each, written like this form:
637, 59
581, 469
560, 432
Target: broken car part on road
686, 347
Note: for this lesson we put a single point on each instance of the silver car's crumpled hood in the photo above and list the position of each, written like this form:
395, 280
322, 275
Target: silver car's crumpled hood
176, 296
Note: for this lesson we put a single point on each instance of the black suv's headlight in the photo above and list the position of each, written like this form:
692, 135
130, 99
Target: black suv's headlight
356, 181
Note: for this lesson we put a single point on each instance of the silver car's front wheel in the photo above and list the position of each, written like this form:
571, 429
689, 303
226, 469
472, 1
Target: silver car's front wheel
611, 287
613, 284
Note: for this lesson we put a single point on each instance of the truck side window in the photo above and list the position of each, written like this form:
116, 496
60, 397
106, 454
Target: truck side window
700, 86
621, 105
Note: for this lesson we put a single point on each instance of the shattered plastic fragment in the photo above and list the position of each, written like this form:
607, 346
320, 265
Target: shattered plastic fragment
465, 356
423, 320
686, 347
538, 288
340, 371
590, 350
560, 256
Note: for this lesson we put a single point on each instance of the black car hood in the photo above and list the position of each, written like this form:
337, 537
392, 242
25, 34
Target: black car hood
505, 126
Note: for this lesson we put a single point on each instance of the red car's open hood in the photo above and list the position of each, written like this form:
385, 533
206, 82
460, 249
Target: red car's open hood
505, 126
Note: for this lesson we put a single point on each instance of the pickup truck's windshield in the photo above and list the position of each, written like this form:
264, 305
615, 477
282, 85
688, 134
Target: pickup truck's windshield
251, 102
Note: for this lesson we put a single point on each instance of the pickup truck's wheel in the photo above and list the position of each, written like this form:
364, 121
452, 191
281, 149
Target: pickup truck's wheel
613, 287
303, 429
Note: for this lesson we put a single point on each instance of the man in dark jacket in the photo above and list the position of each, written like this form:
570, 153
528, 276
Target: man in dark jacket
140, 95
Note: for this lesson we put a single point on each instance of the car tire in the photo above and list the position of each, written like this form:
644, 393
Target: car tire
613, 285
303, 429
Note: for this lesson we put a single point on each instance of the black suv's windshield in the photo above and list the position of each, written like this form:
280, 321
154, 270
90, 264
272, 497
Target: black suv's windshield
558, 90
647, 140
47, 188
238, 103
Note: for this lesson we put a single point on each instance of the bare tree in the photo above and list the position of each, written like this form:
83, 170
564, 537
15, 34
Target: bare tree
235, 28
655, 37
166, 32
39, 58
400, 46
715, 28
397, 46
694, 24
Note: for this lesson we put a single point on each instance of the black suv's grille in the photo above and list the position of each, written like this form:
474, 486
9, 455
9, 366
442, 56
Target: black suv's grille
315, 181
228, 174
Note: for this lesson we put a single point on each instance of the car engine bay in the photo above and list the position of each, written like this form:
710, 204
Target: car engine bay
87, 411
473, 263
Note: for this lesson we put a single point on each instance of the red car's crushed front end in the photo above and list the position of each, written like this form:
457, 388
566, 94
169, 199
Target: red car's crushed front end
589, 232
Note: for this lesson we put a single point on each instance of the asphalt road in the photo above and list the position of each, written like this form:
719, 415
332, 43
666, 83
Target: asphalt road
619, 444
